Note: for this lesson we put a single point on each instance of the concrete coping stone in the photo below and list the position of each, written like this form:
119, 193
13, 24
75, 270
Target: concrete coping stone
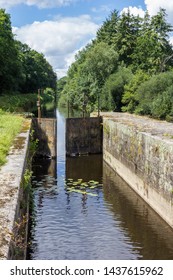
156, 128
10, 179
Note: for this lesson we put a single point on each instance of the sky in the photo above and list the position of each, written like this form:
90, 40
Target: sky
60, 28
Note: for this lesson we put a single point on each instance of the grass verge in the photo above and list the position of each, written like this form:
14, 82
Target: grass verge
10, 126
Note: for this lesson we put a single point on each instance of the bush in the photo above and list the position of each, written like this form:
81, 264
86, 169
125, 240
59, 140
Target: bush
152, 93
113, 89
129, 98
162, 105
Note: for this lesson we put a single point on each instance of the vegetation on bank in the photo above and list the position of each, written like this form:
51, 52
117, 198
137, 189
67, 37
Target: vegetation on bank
10, 122
10, 126
23, 103
22, 70
127, 68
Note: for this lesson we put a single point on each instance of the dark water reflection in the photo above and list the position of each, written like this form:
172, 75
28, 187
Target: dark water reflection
113, 224
149, 235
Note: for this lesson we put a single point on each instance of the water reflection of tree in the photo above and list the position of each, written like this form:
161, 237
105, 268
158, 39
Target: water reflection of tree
84, 203
84, 167
41, 167
87, 168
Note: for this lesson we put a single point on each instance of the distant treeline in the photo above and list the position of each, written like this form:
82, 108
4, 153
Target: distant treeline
128, 67
22, 69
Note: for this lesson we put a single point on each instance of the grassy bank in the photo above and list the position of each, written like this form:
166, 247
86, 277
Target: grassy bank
10, 126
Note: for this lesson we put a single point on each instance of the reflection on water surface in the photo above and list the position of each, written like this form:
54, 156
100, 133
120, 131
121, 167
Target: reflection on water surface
113, 224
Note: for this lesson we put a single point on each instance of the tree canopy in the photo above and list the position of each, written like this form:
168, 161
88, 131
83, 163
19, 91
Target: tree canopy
21, 69
121, 64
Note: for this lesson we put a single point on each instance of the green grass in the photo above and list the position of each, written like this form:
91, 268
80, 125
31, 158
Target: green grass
10, 126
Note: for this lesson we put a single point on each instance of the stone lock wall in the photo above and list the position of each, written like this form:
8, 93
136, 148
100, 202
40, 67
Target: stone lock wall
14, 200
141, 152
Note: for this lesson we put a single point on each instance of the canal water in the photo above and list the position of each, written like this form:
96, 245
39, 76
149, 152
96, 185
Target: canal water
83, 210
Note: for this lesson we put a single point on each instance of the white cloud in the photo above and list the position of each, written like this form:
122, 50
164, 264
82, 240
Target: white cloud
38, 3
153, 6
58, 40
103, 8
134, 11
171, 40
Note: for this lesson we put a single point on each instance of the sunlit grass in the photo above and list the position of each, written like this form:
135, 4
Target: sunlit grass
10, 126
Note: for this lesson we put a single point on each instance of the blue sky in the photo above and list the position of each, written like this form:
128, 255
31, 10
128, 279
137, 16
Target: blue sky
99, 9
59, 28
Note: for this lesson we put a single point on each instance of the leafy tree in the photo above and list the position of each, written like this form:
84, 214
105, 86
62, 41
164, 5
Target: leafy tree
60, 86
22, 69
113, 89
149, 91
129, 98
162, 105
36, 71
88, 74
122, 64
108, 31
10, 64
128, 32
153, 52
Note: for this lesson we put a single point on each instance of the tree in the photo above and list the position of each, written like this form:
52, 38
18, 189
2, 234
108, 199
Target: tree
101, 61
88, 74
108, 31
118, 64
60, 86
129, 98
9, 62
153, 52
148, 92
128, 32
114, 88
36, 71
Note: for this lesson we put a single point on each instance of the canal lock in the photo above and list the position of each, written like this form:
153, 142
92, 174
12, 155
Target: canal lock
111, 222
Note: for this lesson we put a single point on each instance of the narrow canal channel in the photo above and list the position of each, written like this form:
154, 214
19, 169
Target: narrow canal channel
109, 222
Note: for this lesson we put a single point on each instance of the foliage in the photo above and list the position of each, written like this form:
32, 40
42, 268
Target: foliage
123, 68
10, 64
128, 32
27, 179
126, 68
153, 92
26, 104
22, 69
60, 86
88, 74
108, 31
162, 106
153, 52
18, 102
113, 89
129, 98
